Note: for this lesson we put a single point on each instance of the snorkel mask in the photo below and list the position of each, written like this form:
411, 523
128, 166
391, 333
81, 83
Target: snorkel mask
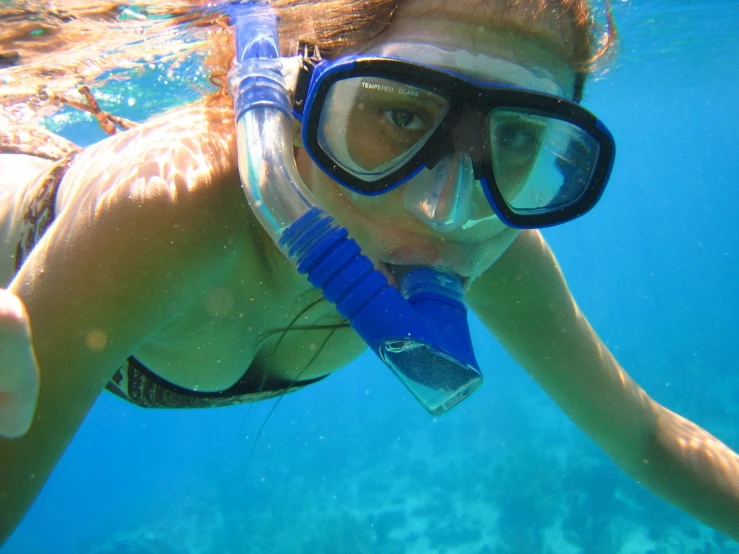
419, 330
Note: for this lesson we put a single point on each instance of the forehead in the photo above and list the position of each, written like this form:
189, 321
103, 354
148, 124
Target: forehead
459, 42
543, 19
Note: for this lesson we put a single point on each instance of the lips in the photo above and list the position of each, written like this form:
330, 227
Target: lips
388, 273
417, 251
395, 273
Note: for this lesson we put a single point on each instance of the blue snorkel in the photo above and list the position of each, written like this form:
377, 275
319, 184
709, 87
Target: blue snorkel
420, 332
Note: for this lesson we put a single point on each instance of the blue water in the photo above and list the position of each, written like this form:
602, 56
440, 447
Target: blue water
354, 465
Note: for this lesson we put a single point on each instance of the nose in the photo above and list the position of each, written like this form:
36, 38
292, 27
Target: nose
441, 197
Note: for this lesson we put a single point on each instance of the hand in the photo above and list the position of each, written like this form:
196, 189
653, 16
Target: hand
19, 376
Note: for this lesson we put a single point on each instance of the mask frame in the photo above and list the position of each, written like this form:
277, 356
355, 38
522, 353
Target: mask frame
465, 96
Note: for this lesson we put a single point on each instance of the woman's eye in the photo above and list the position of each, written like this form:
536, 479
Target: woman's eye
517, 141
514, 136
404, 119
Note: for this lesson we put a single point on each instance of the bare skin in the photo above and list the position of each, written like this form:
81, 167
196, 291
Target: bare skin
19, 382
155, 253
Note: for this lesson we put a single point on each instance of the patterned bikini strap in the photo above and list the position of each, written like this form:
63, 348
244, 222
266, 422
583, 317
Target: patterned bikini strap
42, 208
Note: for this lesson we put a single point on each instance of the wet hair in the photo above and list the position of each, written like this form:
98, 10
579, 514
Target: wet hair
56, 50
569, 28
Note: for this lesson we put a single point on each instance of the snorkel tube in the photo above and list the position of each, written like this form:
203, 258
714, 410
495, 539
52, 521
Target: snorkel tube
419, 331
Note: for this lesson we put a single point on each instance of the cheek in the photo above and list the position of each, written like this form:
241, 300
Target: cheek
332, 196
320, 184
305, 166
340, 201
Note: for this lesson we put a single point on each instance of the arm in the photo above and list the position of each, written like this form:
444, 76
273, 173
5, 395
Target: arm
523, 299
144, 225
18, 371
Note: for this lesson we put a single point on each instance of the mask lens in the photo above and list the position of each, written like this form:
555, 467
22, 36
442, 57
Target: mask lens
540, 163
370, 126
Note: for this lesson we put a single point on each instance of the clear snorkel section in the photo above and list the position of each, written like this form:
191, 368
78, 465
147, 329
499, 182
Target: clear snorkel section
420, 332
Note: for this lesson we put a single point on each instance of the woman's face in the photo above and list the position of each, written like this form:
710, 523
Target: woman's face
387, 231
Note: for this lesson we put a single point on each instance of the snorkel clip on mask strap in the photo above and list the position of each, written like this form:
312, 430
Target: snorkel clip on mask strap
421, 331
310, 55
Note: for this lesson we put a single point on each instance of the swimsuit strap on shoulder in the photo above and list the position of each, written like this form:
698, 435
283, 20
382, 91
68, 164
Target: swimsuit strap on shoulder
41, 210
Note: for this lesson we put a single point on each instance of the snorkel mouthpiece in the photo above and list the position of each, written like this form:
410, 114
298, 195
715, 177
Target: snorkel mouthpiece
420, 331
422, 334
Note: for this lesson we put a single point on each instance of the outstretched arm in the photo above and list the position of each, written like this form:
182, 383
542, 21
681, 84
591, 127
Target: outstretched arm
524, 301
142, 233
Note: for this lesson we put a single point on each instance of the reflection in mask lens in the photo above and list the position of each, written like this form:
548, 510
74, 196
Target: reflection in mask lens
371, 126
540, 163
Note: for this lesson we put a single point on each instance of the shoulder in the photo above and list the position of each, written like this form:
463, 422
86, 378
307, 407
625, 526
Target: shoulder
151, 219
165, 194
172, 179
184, 153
